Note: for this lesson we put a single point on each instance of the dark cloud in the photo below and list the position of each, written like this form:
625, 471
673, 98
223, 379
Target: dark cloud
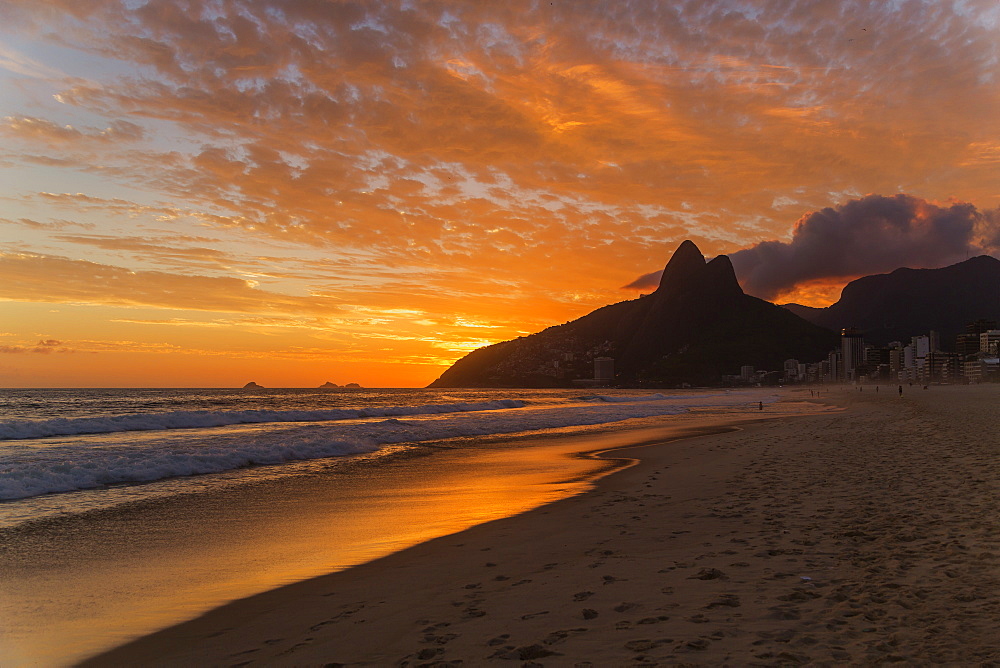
874, 234
648, 281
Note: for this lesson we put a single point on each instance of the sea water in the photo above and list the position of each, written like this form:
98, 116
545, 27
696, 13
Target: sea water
71, 451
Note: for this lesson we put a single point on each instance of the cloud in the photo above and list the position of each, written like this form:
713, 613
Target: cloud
870, 235
488, 160
43, 347
18, 63
648, 281
40, 278
27, 127
315, 121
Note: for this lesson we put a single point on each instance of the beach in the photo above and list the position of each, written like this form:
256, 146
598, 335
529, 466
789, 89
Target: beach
864, 536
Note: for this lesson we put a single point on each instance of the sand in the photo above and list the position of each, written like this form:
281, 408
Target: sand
866, 536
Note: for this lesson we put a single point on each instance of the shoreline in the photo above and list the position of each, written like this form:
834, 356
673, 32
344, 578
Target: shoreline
79, 585
619, 460
866, 536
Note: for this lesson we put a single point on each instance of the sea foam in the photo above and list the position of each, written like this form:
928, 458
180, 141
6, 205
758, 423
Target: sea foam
20, 429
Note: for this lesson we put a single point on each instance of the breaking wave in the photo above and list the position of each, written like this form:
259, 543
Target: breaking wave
19, 429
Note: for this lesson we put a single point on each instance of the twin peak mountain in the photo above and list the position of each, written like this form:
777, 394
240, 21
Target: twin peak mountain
696, 326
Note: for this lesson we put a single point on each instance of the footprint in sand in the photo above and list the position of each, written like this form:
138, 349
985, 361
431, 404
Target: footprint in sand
557, 637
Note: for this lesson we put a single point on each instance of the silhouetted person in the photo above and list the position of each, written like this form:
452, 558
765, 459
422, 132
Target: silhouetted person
761, 404
900, 390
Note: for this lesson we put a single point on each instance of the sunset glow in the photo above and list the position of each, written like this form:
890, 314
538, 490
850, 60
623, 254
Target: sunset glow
299, 191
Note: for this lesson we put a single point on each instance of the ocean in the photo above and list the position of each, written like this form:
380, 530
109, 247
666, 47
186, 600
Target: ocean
70, 451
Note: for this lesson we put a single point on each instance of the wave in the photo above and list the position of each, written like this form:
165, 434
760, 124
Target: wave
680, 398
32, 467
22, 429
629, 399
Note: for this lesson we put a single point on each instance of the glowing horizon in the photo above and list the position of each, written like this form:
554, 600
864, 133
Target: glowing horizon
206, 194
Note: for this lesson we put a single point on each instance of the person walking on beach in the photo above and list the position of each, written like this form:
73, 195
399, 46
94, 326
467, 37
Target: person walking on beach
900, 390
761, 404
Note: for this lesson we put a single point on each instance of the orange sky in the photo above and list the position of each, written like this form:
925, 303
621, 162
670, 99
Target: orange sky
297, 191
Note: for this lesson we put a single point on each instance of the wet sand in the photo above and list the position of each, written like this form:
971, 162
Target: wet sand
864, 537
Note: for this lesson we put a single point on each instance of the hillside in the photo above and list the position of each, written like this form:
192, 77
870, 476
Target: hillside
696, 326
907, 302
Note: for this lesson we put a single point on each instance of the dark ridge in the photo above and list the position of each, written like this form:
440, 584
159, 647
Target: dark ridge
907, 302
697, 326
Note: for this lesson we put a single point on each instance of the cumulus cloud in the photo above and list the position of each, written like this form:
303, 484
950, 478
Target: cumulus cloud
874, 234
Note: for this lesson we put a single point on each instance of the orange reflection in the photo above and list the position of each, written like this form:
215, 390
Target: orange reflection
93, 582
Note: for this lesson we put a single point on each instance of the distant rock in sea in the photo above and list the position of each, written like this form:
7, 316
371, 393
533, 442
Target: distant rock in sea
252, 386
328, 385
353, 385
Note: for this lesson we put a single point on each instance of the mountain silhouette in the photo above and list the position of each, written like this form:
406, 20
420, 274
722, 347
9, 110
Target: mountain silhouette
910, 302
696, 326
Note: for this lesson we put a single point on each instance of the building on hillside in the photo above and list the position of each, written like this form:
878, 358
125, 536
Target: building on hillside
604, 369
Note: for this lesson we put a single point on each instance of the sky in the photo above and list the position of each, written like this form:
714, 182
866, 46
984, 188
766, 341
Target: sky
202, 194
